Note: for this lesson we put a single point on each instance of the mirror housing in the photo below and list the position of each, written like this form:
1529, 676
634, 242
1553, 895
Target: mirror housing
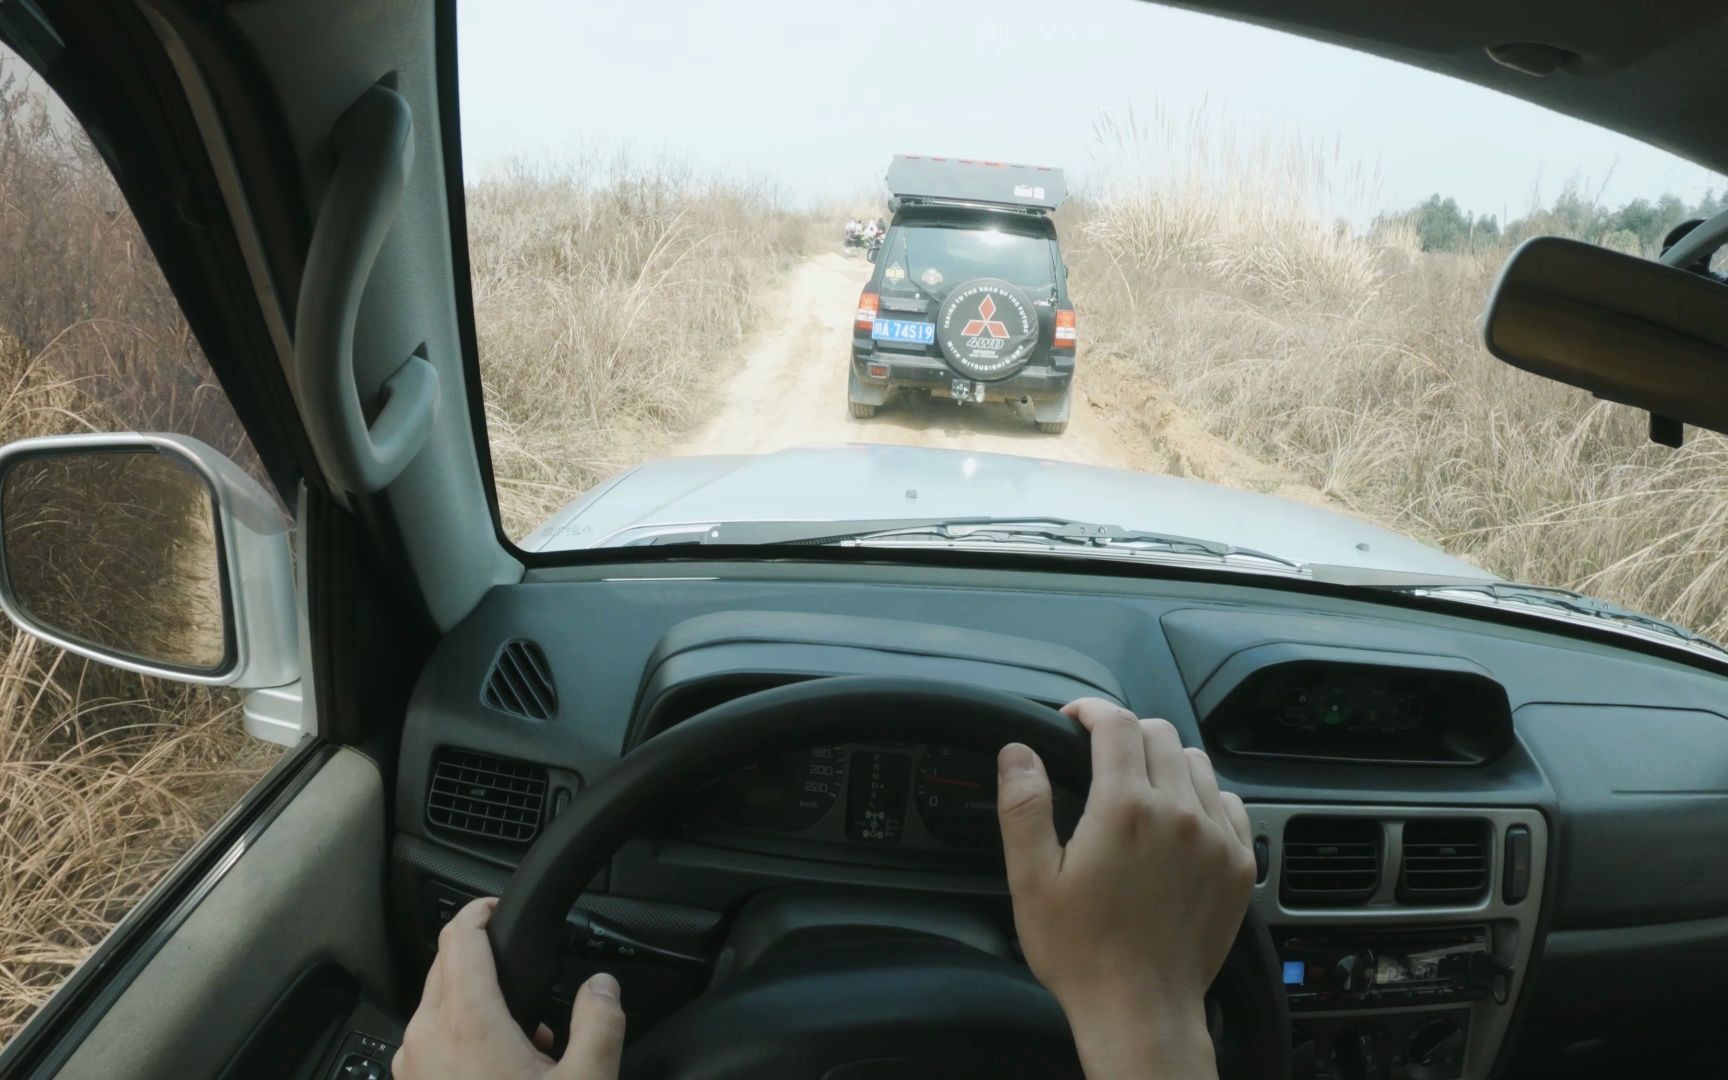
1622, 327
234, 549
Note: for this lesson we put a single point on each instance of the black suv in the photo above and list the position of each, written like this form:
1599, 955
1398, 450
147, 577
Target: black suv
969, 298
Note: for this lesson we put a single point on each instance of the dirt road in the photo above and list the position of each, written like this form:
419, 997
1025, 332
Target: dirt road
792, 392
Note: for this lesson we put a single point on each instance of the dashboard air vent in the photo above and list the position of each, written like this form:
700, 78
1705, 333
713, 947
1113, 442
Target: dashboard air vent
520, 682
1445, 861
486, 796
1330, 862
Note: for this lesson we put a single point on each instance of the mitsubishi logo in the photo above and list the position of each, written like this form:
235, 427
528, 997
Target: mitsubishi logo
984, 323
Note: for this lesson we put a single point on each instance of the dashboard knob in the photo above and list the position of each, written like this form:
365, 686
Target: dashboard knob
1354, 972
1356, 1054
1436, 1050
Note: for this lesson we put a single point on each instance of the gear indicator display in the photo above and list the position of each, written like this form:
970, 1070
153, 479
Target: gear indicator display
876, 796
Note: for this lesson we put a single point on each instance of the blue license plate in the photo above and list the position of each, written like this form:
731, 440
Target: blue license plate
919, 333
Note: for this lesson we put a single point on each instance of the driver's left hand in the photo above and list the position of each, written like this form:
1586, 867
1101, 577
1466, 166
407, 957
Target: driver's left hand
462, 1029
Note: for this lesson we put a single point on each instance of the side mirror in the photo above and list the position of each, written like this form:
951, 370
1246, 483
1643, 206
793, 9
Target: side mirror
870, 254
149, 552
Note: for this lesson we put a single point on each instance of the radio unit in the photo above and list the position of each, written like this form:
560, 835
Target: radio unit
1369, 969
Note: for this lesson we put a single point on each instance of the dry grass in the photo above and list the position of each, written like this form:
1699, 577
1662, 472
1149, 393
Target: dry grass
105, 781
1356, 361
81, 294
606, 304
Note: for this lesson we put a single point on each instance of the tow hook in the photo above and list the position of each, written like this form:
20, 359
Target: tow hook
962, 390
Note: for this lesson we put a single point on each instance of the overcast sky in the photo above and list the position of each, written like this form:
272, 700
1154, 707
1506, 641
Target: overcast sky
815, 95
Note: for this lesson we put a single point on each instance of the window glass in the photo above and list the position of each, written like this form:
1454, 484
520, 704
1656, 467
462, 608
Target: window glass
936, 254
1271, 273
106, 778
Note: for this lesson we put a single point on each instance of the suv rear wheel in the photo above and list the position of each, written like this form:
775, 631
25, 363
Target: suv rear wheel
1052, 427
865, 412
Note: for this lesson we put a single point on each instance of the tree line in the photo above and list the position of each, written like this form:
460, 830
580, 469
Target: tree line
1637, 226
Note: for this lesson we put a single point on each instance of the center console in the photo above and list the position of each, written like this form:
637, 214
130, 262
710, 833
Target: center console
1402, 933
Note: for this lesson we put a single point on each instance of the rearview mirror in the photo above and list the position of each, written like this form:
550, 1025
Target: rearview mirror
152, 553
1624, 328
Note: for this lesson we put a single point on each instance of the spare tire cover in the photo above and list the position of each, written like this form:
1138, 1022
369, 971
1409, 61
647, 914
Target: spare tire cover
987, 328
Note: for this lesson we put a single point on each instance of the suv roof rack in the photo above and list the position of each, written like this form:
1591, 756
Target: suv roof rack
897, 203
916, 180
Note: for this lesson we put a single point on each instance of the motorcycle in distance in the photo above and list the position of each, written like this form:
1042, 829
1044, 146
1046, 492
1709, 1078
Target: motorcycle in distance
865, 235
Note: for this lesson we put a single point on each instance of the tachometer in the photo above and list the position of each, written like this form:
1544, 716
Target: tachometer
788, 793
956, 796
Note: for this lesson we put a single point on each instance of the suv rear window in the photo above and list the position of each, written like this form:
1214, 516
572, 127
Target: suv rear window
962, 252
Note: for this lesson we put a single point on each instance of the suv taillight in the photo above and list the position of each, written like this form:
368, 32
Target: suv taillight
1067, 335
867, 308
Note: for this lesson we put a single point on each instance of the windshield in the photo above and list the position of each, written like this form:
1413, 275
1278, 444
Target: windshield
745, 273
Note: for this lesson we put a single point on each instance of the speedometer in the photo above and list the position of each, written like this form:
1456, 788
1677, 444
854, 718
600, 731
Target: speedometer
956, 796
788, 793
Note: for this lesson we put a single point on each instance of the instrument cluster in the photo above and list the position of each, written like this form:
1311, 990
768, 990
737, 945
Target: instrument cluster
890, 795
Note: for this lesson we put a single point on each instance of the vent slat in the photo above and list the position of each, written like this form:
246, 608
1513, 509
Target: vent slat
486, 796
468, 812
1445, 861
520, 682
1330, 861
528, 671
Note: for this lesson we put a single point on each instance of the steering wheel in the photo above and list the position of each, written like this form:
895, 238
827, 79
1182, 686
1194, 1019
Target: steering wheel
906, 1006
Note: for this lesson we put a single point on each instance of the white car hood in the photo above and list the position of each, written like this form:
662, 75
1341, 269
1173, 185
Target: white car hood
870, 482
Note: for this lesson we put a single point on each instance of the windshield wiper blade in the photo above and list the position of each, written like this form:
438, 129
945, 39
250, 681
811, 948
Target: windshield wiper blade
1086, 535
1056, 533
1562, 600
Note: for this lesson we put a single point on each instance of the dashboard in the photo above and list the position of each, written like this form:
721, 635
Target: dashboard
1461, 809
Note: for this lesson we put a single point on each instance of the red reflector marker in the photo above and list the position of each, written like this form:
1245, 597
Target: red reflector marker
1067, 335
866, 312
878, 371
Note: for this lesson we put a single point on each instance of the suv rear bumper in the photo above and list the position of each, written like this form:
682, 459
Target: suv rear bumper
1036, 383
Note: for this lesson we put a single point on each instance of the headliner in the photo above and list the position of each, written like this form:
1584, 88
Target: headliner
1652, 69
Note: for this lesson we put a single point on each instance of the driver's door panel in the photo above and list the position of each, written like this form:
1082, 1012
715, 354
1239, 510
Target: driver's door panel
306, 897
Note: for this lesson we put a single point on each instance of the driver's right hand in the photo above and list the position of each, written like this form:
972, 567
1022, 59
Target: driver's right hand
1128, 924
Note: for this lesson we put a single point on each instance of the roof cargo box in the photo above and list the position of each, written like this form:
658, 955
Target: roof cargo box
914, 178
